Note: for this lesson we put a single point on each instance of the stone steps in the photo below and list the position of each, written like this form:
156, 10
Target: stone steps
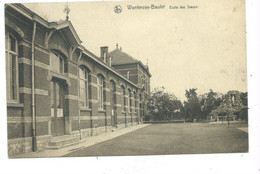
63, 141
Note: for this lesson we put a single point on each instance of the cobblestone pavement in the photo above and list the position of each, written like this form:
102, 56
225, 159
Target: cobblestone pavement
180, 138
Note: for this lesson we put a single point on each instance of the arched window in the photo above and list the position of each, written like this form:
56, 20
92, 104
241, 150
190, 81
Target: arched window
11, 51
145, 83
57, 62
101, 91
135, 98
113, 91
84, 86
123, 98
129, 100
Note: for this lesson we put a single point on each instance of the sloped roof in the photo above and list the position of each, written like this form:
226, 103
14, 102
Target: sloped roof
119, 57
65, 26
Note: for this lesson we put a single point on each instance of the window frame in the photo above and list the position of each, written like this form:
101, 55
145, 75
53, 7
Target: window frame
100, 91
123, 102
9, 73
61, 59
113, 91
85, 81
135, 101
129, 100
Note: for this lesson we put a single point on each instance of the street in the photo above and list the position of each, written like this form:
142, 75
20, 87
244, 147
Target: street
180, 138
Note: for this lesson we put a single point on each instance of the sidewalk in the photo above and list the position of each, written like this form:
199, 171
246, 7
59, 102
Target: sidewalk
83, 144
245, 129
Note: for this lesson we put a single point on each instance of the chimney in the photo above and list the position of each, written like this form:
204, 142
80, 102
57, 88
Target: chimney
103, 53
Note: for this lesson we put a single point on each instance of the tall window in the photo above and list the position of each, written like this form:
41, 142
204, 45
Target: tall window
113, 91
145, 87
123, 97
129, 100
101, 91
84, 86
135, 98
57, 63
11, 51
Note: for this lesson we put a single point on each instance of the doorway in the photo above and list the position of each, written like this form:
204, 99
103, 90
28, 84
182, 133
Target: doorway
57, 108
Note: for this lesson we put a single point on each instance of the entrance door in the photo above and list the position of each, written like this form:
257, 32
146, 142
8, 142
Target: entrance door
57, 104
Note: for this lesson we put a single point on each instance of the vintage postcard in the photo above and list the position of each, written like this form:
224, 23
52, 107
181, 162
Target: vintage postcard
126, 78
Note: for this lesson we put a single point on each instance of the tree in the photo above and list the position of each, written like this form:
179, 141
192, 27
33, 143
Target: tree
162, 105
243, 113
209, 102
243, 97
192, 107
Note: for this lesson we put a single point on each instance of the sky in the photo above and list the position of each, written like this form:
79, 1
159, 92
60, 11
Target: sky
203, 47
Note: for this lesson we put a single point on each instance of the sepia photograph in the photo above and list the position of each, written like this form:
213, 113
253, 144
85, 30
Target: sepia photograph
126, 79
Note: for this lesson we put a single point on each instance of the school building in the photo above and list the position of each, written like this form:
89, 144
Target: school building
59, 92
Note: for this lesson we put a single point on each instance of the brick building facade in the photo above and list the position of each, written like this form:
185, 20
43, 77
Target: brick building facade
56, 87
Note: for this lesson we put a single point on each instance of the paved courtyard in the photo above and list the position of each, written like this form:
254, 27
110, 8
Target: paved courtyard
180, 138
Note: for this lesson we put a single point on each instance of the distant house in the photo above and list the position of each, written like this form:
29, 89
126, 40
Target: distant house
231, 108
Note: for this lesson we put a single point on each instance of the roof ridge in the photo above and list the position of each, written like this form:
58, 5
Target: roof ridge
118, 55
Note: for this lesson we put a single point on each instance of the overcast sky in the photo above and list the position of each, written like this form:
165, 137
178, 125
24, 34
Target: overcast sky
200, 48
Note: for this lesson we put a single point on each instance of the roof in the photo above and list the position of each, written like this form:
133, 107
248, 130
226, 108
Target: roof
118, 57
62, 26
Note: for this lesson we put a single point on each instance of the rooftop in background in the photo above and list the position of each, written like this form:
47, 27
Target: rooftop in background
118, 57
